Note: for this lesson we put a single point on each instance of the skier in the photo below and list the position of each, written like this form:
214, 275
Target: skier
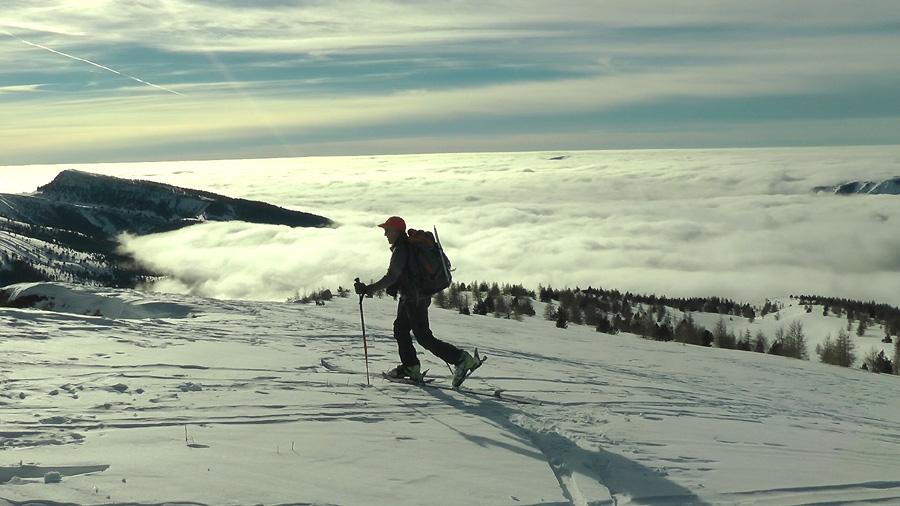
412, 312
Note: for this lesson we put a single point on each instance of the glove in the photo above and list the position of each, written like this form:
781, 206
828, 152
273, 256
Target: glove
360, 288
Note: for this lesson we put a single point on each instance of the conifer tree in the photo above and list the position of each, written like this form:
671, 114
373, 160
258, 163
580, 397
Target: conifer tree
794, 342
826, 351
644, 325
722, 338
604, 326
743, 343
683, 331
453, 296
760, 342
576, 316
523, 306
862, 326
878, 362
838, 352
550, 311
846, 349
502, 307
562, 321
777, 347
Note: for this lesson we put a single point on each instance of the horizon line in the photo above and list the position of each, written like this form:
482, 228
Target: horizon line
423, 153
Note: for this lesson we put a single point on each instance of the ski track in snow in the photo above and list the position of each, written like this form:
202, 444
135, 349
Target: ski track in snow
620, 425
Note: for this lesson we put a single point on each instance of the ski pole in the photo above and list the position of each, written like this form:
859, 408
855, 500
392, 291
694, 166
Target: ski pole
362, 321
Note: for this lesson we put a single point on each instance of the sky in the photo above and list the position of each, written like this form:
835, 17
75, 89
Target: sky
104, 81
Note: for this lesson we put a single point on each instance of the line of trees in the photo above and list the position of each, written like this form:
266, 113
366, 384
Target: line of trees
885, 314
481, 298
611, 312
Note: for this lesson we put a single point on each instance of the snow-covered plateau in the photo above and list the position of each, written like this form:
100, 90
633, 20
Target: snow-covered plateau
122, 397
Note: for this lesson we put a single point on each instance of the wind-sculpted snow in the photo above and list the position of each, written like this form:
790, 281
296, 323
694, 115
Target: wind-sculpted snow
80, 301
237, 402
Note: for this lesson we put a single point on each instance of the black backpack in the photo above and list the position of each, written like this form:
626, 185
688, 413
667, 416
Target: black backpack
429, 267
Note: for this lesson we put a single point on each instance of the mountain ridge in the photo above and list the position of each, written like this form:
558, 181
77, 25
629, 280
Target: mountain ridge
884, 187
68, 227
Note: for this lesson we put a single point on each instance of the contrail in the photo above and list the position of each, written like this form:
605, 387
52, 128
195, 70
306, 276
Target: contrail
114, 71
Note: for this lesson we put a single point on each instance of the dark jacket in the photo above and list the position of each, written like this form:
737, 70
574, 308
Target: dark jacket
397, 279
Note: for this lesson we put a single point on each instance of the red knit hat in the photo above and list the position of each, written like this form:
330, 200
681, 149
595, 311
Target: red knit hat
395, 222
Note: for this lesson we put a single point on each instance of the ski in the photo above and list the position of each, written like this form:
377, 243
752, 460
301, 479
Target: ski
420, 383
497, 394
409, 381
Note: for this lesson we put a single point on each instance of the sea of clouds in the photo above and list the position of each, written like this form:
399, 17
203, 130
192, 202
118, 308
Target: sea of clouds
737, 223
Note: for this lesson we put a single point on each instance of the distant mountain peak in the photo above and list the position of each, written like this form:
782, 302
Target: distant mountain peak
145, 206
884, 187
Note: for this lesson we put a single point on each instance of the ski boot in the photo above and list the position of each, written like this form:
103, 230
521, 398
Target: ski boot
465, 367
411, 372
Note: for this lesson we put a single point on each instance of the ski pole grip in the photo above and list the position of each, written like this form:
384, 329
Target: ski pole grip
362, 322
362, 295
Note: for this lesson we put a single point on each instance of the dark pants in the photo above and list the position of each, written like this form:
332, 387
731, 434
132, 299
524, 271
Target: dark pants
412, 315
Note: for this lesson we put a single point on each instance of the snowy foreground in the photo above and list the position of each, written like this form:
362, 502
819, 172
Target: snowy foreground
173, 399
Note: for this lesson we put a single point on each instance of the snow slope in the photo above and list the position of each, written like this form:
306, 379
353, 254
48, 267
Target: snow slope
207, 401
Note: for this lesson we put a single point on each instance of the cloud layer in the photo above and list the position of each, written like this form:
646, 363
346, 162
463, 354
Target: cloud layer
733, 223
275, 78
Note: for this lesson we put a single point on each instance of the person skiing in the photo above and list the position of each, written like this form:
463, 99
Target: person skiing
412, 312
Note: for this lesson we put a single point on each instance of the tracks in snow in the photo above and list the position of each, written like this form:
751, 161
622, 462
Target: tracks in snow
875, 492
